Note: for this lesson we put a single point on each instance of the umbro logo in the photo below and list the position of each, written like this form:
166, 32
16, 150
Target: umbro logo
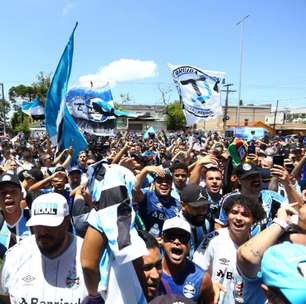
224, 261
28, 278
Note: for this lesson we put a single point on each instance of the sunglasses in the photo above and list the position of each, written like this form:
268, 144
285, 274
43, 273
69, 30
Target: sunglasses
183, 237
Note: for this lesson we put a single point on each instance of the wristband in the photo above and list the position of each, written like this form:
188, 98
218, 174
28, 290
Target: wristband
281, 223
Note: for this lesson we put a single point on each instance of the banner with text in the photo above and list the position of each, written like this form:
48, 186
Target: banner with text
199, 92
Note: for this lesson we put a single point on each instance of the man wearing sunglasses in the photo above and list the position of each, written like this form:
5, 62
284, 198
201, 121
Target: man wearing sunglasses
179, 273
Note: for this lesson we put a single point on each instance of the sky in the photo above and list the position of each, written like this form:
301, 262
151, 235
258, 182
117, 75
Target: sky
130, 43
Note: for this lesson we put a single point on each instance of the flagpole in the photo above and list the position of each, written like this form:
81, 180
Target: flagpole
241, 23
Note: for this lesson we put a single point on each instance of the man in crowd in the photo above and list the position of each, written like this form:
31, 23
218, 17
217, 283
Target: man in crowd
194, 209
179, 273
179, 172
155, 206
250, 254
14, 217
45, 267
249, 176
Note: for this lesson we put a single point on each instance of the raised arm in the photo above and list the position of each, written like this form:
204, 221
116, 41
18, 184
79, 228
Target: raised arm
138, 194
249, 255
296, 172
92, 250
283, 177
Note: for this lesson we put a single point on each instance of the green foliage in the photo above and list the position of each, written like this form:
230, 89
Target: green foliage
20, 122
175, 116
28, 92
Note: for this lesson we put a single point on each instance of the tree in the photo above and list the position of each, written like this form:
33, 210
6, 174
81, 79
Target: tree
175, 116
4, 109
29, 92
20, 122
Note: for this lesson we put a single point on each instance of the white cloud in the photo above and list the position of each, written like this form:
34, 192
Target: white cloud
120, 70
67, 7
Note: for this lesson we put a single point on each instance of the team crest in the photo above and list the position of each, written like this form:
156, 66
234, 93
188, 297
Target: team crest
199, 90
72, 280
189, 290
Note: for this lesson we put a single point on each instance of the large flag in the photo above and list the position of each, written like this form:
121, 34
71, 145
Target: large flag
33, 108
111, 188
94, 111
80, 104
60, 125
199, 92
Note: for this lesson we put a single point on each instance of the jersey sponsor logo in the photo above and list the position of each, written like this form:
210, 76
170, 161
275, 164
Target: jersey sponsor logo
189, 290
227, 274
28, 279
224, 261
159, 205
48, 208
45, 301
72, 280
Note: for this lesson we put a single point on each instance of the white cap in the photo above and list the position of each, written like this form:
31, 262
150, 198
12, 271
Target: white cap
48, 210
176, 223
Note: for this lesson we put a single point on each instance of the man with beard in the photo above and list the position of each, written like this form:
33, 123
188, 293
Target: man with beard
180, 274
195, 206
155, 206
45, 267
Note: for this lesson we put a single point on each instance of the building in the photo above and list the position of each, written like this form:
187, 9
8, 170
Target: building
249, 115
149, 116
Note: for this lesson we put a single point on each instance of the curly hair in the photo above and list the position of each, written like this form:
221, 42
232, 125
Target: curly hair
254, 206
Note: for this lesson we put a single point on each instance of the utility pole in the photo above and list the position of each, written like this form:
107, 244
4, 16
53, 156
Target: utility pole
3, 101
275, 113
241, 23
227, 91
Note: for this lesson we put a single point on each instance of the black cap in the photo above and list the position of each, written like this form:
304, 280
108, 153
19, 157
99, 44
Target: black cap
247, 169
74, 169
9, 178
35, 174
172, 299
194, 195
167, 175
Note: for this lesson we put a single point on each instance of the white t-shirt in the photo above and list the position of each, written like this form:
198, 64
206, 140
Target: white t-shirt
217, 254
29, 277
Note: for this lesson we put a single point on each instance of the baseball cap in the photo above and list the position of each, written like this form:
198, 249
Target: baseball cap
281, 267
74, 169
176, 223
49, 210
167, 172
9, 178
171, 299
194, 195
247, 169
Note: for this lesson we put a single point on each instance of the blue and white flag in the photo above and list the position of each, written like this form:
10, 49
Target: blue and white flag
33, 108
199, 92
107, 109
60, 125
147, 133
80, 104
111, 188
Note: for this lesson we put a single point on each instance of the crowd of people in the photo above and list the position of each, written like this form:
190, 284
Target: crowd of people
185, 217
